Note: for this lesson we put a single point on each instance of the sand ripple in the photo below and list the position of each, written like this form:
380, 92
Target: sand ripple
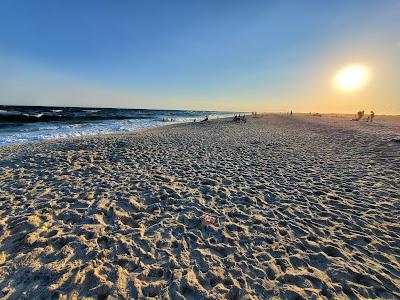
300, 207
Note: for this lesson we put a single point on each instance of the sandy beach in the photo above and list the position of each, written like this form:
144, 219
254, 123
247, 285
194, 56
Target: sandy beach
285, 207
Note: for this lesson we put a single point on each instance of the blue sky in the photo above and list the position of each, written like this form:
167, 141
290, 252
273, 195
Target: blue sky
227, 55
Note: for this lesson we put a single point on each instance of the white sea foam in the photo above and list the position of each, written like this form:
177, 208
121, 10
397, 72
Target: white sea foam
35, 132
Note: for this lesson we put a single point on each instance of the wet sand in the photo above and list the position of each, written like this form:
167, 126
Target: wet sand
280, 207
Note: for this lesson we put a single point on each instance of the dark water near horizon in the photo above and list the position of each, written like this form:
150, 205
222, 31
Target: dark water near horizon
19, 124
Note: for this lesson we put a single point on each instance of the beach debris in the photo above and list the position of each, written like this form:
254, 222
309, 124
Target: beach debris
208, 219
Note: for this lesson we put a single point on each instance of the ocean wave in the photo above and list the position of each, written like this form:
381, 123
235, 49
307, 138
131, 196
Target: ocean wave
19, 124
29, 118
41, 133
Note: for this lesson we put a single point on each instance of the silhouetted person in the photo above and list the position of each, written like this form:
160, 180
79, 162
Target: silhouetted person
291, 113
372, 115
359, 116
206, 119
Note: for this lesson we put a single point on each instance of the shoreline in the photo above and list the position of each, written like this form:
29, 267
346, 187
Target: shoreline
278, 207
347, 117
27, 124
100, 135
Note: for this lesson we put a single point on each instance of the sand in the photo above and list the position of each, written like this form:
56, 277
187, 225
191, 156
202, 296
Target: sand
280, 207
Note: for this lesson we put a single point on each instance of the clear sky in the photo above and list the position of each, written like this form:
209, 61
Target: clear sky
222, 55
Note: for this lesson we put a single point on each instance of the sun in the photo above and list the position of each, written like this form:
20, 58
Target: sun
351, 78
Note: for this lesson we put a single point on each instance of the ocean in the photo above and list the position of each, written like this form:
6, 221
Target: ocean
20, 124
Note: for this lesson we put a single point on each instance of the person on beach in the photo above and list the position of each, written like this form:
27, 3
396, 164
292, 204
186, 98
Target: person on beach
371, 117
359, 116
291, 113
239, 119
205, 120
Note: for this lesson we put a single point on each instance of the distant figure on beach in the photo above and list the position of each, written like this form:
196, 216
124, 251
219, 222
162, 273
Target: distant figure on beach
371, 117
239, 119
291, 113
359, 116
205, 120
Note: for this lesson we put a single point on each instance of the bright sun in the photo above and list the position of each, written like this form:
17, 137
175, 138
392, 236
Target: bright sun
351, 78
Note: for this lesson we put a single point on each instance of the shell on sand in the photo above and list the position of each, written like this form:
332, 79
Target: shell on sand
305, 207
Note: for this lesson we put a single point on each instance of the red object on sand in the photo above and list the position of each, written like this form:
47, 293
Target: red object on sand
210, 219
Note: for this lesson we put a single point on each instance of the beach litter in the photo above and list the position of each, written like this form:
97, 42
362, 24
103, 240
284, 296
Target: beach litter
209, 220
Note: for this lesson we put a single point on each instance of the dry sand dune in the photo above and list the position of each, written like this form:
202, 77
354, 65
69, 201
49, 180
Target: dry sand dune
299, 207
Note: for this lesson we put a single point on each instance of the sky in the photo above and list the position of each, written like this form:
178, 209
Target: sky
266, 56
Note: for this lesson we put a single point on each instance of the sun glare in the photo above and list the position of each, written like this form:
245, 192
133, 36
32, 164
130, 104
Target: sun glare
351, 78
